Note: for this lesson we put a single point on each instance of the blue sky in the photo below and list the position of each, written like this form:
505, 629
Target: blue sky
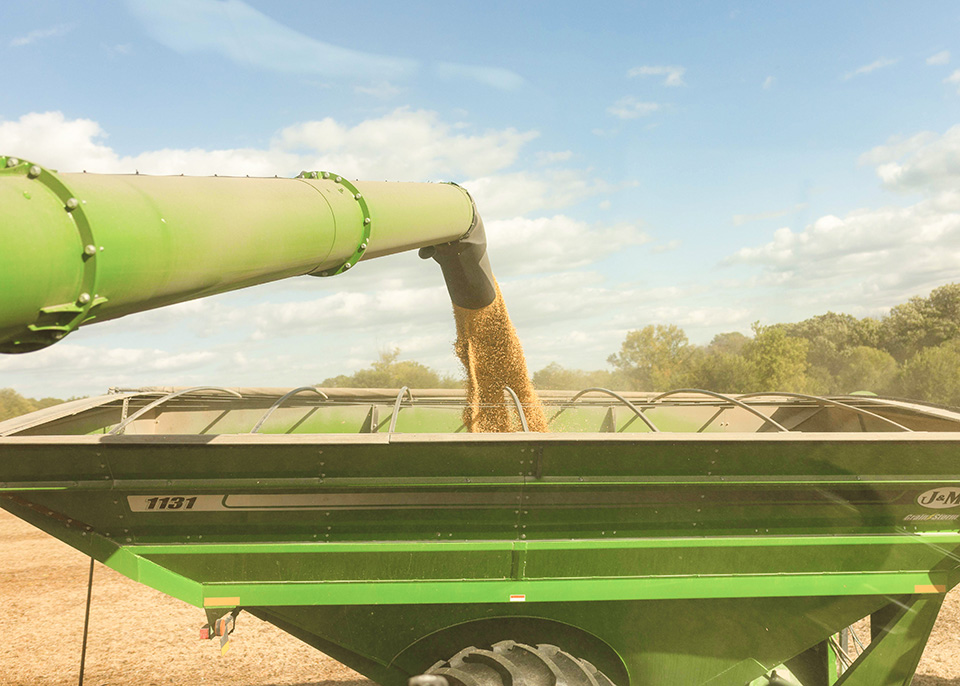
707, 164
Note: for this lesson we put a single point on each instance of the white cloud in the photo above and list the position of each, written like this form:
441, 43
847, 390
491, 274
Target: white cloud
550, 244
52, 140
243, 34
896, 147
877, 255
953, 78
504, 79
869, 68
867, 250
924, 162
382, 90
248, 37
403, 145
507, 195
292, 342
669, 246
41, 34
554, 157
768, 82
942, 57
112, 358
630, 107
674, 74
741, 219
722, 318
196, 161
117, 49
404, 310
546, 301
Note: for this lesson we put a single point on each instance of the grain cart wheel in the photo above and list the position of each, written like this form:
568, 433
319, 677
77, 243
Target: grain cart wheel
509, 663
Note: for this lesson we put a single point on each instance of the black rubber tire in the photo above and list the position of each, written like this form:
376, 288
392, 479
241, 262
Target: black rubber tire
509, 663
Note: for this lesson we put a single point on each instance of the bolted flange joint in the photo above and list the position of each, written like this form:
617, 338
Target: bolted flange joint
56, 320
365, 212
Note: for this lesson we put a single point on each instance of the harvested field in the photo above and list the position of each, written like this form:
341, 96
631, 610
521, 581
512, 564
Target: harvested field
140, 636
137, 635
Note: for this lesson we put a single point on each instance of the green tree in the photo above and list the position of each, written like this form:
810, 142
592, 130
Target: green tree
829, 337
558, 378
654, 358
922, 323
721, 366
12, 404
730, 343
841, 331
390, 372
778, 362
933, 374
866, 369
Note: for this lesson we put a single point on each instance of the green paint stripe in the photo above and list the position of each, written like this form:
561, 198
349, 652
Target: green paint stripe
924, 539
155, 576
178, 485
15, 489
402, 593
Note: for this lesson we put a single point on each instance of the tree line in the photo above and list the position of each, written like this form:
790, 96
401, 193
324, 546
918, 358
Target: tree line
912, 352
12, 404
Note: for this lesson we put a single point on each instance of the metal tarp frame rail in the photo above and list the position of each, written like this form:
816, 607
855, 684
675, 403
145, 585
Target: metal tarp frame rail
729, 399
169, 396
396, 408
519, 406
636, 410
827, 401
282, 400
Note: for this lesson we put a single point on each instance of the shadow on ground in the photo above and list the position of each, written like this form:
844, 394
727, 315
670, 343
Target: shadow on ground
921, 680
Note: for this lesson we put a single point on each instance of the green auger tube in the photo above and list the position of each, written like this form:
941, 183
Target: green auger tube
81, 248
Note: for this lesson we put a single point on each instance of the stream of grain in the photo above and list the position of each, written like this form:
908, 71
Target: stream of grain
491, 354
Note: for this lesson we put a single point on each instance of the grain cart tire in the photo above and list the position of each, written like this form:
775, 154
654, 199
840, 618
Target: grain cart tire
508, 663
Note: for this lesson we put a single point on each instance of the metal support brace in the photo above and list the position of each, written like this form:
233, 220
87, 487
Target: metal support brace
729, 399
282, 400
826, 401
519, 406
396, 408
636, 410
892, 657
169, 396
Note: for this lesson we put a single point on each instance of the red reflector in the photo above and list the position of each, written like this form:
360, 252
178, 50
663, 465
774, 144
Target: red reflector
205, 633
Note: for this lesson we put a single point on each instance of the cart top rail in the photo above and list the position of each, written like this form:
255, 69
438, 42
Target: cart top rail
209, 410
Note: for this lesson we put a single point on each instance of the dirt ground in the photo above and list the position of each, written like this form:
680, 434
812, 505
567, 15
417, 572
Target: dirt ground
140, 636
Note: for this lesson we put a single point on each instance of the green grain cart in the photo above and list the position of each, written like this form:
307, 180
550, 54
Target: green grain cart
682, 539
